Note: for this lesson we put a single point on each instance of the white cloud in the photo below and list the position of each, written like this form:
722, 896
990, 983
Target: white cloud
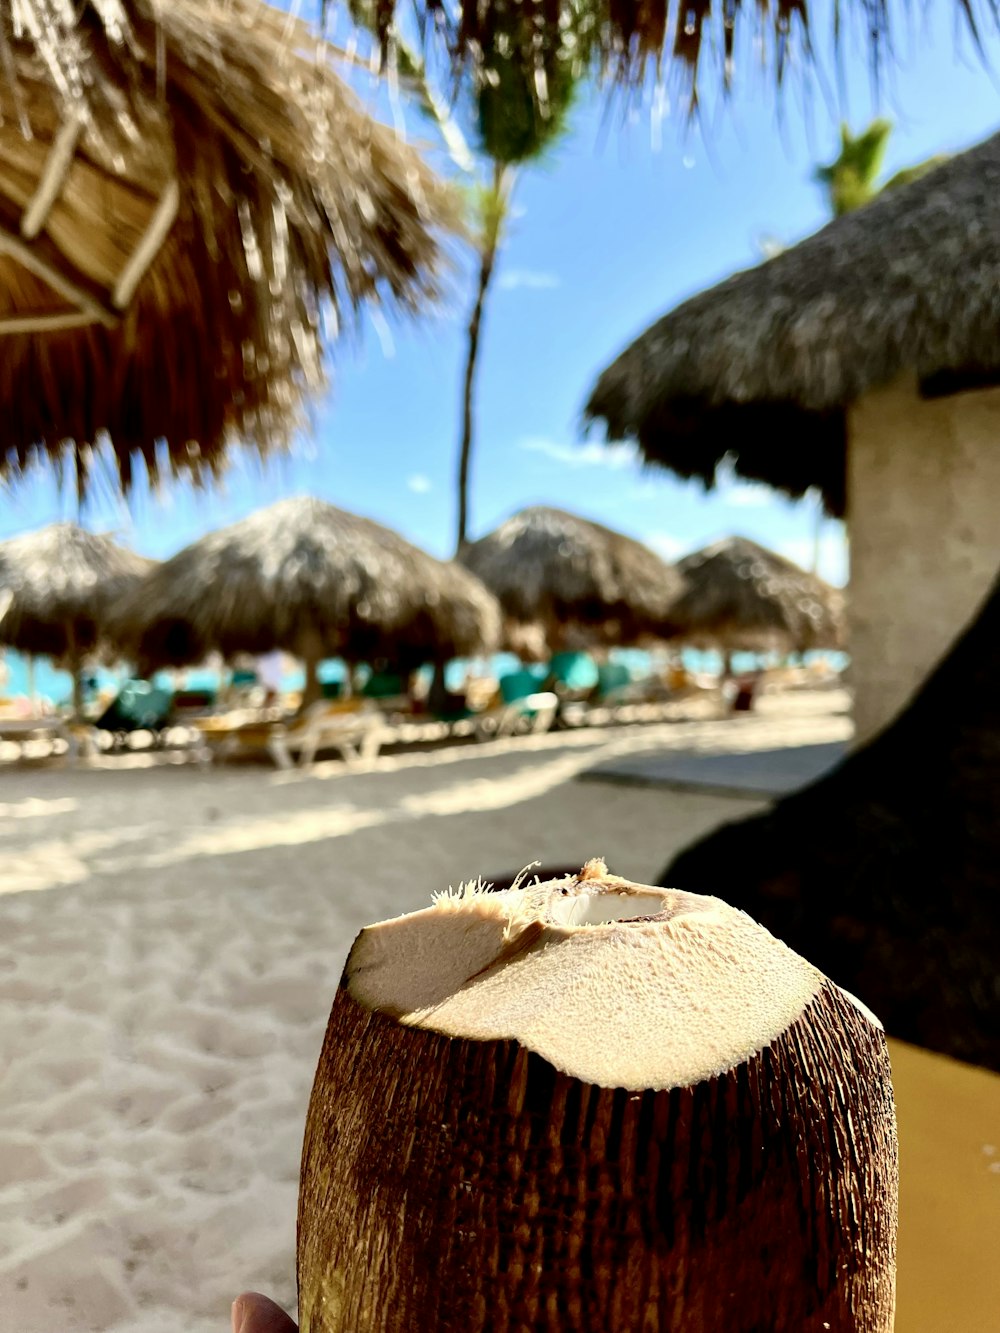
535, 281
665, 544
747, 495
832, 564
591, 454
418, 483
733, 490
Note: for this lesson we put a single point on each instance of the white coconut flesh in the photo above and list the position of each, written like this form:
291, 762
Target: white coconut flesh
617, 984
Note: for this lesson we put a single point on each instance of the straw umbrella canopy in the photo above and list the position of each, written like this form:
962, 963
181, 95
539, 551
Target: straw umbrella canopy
57, 588
759, 371
575, 577
304, 576
694, 43
188, 192
740, 595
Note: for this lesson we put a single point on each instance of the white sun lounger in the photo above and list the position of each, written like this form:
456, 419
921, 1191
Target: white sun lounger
355, 734
21, 729
534, 713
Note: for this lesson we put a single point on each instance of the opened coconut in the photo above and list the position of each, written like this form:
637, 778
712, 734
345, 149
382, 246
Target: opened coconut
595, 1105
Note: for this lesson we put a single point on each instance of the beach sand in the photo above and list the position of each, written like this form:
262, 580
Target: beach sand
170, 941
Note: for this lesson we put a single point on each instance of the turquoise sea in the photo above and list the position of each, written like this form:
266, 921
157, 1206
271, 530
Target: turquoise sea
56, 686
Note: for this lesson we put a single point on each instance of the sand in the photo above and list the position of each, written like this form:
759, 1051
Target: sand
170, 940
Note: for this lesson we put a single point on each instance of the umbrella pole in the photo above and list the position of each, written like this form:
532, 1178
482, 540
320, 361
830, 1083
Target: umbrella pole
313, 689
32, 683
74, 664
311, 652
437, 696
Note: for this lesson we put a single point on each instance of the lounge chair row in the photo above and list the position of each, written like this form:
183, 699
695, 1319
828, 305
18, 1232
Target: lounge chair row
358, 729
25, 730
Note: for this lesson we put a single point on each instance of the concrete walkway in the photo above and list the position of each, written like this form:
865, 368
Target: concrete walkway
755, 773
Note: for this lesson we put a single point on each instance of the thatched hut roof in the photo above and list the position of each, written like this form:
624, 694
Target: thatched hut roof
312, 579
760, 368
741, 595
186, 191
568, 573
630, 39
58, 585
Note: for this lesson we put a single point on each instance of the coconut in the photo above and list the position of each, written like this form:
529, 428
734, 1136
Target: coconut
588, 1104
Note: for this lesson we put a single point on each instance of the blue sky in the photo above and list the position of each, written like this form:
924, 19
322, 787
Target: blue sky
614, 230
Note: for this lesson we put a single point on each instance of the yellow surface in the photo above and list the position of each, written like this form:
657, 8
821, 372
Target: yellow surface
948, 1279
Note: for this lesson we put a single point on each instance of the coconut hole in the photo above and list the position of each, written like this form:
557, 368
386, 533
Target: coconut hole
602, 909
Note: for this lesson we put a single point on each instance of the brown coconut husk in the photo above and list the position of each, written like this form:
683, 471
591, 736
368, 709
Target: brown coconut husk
594, 1105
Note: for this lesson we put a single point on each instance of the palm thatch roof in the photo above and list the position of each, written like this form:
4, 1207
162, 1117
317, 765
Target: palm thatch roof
58, 585
630, 39
741, 595
760, 369
187, 191
312, 579
570, 574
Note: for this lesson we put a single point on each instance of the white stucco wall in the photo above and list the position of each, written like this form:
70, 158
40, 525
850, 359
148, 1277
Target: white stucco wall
923, 491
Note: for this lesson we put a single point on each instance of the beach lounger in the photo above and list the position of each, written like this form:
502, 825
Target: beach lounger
138, 706
354, 728
522, 706
389, 690
573, 675
77, 737
190, 705
616, 684
239, 731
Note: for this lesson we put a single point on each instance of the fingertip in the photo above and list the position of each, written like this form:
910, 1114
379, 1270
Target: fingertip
254, 1313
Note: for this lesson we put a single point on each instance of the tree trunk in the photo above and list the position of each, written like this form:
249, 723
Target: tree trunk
536, 1110
886, 872
492, 232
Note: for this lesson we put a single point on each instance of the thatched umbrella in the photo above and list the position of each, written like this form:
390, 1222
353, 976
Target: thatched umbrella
760, 370
632, 40
574, 577
58, 586
319, 582
741, 595
184, 189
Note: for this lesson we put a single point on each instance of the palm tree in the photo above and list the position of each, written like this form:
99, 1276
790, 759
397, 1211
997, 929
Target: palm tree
493, 208
515, 101
521, 110
851, 179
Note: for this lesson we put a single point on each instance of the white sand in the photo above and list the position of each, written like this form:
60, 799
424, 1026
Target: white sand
170, 941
